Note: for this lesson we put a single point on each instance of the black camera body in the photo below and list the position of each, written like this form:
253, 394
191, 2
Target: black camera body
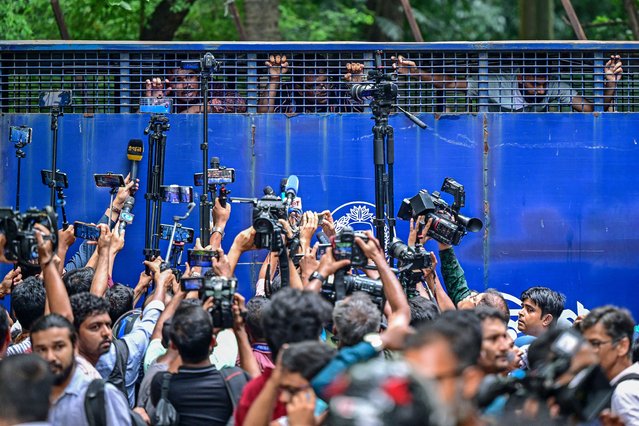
344, 246
411, 261
448, 226
266, 213
221, 289
353, 283
21, 245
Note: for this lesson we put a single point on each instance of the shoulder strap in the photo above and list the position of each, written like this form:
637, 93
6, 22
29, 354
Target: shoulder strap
166, 385
94, 403
234, 379
631, 376
118, 375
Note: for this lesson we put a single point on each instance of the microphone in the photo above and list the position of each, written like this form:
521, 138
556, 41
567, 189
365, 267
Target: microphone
292, 185
134, 152
126, 217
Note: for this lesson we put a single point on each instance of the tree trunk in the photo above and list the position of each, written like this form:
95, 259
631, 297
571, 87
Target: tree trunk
166, 20
389, 9
262, 19
536, 19
633, 17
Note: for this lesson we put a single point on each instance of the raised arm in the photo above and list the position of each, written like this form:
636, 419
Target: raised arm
56, 294
277, 66
100, 281
220, 218
441, 81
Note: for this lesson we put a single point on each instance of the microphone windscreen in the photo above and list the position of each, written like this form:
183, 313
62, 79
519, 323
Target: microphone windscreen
292, 184
134, 150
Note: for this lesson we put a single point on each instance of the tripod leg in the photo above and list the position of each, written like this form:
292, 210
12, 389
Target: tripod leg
378, 155
390, 184
18, 187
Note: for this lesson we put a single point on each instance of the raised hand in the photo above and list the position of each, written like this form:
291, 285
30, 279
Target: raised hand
156, 88
403, 65
328, 224
125, 191
328, 265
371, 248
277, 66
354, 72
613, 69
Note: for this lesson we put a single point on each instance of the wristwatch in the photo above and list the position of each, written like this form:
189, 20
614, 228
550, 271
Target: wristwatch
218, 229
375, 341
316, 276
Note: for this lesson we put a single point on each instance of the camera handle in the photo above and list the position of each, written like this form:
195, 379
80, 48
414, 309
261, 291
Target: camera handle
176, 224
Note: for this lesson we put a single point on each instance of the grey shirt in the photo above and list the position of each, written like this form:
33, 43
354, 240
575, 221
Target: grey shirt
625, 398
504, 94
68, 410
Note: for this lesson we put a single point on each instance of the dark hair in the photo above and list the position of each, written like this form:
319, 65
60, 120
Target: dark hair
85, 305
294, 316
54, 321
422, 310
26, 388
355, 317
307, 358
28, 301
539, 350
461, 329
254, 308
120, 299
618, 322
5, 329
549, 301
488, 312
494, 299
78, 280
191, 332
166, 333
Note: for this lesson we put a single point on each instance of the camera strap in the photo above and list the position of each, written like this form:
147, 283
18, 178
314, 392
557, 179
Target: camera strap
340, 286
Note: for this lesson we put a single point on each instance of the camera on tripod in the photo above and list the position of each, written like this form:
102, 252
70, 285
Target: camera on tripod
221, 289
382, 90
21, 245
345, 247
411, 262
448, 225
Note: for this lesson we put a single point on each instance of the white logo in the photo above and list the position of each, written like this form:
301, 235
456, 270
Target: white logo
359, 215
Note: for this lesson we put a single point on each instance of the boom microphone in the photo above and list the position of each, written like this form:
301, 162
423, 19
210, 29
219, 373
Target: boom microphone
292, 185
134, 152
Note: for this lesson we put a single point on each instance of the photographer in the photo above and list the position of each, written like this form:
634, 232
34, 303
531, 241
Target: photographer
609, 331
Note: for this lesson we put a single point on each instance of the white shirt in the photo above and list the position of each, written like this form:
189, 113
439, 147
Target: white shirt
625, 399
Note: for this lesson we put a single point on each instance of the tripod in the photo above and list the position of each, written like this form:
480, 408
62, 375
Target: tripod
158, 124
20, 154
62, 203
55, 113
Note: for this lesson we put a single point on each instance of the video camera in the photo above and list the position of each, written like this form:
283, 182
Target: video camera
382, 90
353, 283
344, 246
448, 225
411, 261
221, 289
21, 245
266, 213
584, 396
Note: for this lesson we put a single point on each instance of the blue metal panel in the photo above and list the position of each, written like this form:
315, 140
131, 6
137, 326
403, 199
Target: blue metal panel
560, 189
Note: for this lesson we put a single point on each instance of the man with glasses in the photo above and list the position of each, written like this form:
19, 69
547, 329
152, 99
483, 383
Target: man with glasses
609, 330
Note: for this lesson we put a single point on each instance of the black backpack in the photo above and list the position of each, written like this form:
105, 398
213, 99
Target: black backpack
234, 380
118, 375
94, 406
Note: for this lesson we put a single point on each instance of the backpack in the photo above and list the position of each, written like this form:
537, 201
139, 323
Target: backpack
94, 406
234, 381
118, 375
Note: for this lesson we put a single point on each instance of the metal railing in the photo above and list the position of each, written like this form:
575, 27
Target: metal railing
446, 77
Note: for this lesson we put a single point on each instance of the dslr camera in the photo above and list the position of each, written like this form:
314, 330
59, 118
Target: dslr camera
448, 225
353, 283
344, 246
221, 289
411, 261
21, 245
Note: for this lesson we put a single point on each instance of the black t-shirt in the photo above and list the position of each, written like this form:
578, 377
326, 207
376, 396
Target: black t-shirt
198, 395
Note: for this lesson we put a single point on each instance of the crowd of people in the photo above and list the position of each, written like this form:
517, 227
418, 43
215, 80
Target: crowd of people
77, 348
311, 87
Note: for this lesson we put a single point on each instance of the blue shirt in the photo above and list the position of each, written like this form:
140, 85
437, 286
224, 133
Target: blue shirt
85, 251
137, 341
68, 410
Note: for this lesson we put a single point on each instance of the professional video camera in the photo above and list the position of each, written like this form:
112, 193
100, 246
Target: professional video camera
448, 225
266, 213
382, 88
584, 395
21, 245
353, 283
411, 261
221, 289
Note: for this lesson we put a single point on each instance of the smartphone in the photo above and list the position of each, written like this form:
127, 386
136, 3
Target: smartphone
156, 105
192, 283
216, 177
182, 234
61, 180
86, 231
203, 258
108, 180
176, 194
20, 135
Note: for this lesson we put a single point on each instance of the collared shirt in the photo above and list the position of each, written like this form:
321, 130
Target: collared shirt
504, 94
625, 399
68, 410
137, 341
